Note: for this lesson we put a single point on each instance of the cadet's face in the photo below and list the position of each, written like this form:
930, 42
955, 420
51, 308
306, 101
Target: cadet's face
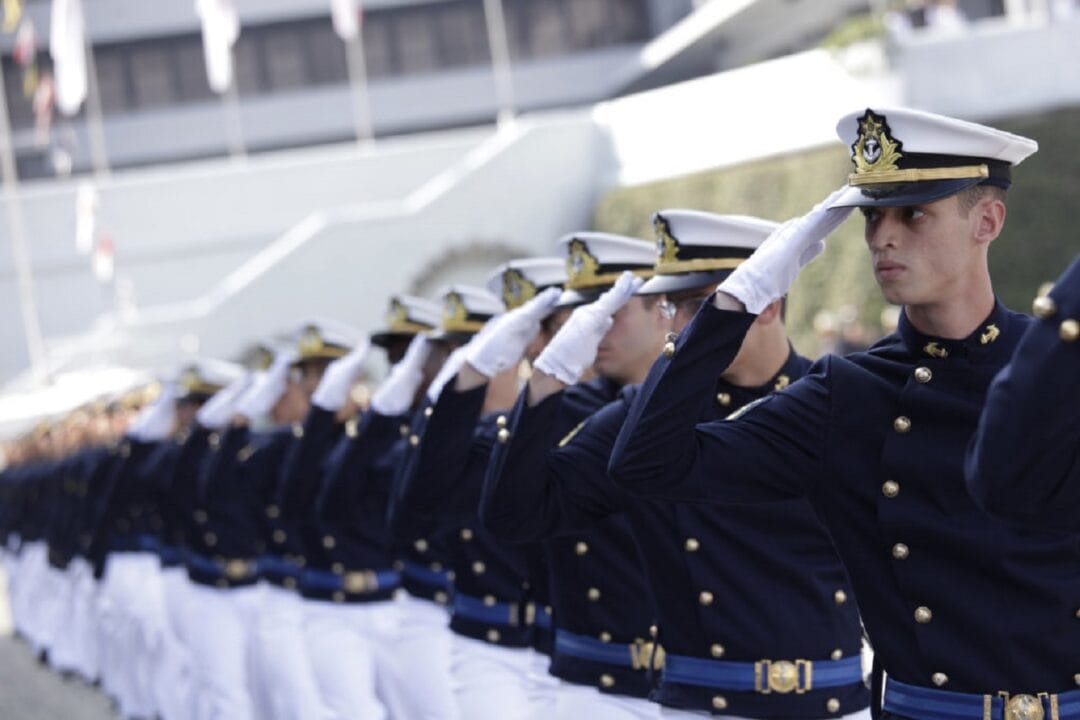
185, 414
631, 345
293, 404
311, 373
921, 254
548, 328
396, 350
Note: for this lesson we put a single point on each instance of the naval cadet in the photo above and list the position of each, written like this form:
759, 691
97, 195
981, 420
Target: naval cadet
602, 603
732, 584
1023, 464
493, 606
968, 617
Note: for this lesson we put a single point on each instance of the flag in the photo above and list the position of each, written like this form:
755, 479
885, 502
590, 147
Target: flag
346, 17
67, 45
220, 30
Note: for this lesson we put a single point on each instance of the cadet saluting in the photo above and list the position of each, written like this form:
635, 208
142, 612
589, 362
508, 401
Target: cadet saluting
969, 617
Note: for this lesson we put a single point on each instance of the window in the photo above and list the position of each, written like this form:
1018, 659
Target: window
190, 66
112, 79
283, 53
152, 79
326, 54
415, 34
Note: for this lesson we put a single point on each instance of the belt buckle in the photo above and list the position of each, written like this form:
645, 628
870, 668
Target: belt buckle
236, 569
783, 676
644, 654
357, 582
1027, 707
530, 613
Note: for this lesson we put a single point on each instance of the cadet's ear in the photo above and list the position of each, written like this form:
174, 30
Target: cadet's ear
990, 219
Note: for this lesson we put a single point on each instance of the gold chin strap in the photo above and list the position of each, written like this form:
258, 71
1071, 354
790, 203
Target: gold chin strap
875, 177
605, 279
677, 267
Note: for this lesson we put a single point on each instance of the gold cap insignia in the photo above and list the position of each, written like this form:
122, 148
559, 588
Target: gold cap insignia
517, 289
261, 358
397, 314
454, 311
190, 379
875, 150
667, 247
581, 265
311, 341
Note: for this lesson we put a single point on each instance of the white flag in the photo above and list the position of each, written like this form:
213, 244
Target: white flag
220, 30
67, 45
346, 18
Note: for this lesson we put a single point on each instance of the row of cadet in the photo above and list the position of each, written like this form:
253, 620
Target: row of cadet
604, 486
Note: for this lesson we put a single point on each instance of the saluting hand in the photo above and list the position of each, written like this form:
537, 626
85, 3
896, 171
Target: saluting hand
489, 353
216, 412
768, 274
573, 349
396, 393
333, 389
266, 389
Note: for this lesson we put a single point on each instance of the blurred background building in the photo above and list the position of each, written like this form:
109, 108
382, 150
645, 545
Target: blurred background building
165, 219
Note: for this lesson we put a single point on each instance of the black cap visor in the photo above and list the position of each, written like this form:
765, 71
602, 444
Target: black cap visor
658, 284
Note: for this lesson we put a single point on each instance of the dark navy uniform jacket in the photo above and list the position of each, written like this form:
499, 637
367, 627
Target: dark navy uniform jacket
294, 534
228, 508
1024, 464
350, 511
495, 596
951, 598
422, 552
598, 587
736, 583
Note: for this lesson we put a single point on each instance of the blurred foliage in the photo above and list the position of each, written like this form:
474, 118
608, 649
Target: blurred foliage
855, 29
1040, 238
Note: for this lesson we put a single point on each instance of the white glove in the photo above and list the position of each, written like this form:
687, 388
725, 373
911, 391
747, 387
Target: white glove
333, 389
769, 273
155, 421
573, 349
216, 412
396, 393
448, 370
492, 352
266, 389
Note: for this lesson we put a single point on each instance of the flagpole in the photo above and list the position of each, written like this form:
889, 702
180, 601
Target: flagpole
358, 86
500, 59
9, 181
95, 126
234, 126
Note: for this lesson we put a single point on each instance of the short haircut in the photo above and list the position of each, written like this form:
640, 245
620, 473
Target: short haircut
971, 196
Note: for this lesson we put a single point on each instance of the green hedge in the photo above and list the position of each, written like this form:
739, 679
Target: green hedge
1040, 238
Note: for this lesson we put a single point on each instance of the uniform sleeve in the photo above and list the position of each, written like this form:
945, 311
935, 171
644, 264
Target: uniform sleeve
1023, 463
770, 449
348, 472
537, 485
432, 482
302, 470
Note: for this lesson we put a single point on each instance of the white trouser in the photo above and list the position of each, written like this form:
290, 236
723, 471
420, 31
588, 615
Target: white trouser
218, 648
26, 590
667, 713
84, 618
352, 650
423, 660
491, 681
545, 686
281, 683
573, 702
65, 652
174, 665
49, 606
132, 618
